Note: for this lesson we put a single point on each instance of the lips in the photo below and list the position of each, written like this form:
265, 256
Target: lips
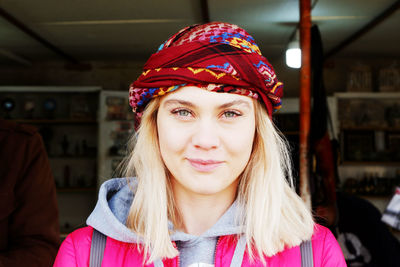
204, 165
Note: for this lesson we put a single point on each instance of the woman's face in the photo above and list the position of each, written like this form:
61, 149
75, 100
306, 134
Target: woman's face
205, 139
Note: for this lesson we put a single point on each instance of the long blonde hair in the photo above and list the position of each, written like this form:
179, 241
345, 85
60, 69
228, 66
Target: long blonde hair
273, 216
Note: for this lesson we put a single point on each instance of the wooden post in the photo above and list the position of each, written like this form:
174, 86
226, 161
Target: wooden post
305, 98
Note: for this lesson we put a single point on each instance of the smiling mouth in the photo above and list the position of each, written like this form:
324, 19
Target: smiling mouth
204, 165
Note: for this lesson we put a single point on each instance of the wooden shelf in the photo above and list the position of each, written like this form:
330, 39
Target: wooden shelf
69, 157
369, 163
56, 121
130, 120
370, 128
370, 95
375, 196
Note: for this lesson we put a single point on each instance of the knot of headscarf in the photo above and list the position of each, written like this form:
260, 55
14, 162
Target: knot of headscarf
216, 56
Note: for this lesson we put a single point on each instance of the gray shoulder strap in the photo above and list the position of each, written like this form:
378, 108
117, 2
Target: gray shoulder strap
305, 251
306, 254
97, 249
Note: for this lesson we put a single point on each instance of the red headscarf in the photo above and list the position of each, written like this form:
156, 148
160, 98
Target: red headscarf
217, 56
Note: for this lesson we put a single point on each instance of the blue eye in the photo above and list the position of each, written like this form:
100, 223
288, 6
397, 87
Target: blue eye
231, 114
183, 112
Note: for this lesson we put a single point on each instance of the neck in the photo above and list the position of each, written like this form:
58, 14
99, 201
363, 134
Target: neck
200, 212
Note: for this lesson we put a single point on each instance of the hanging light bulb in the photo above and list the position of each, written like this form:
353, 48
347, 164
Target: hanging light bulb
293, 53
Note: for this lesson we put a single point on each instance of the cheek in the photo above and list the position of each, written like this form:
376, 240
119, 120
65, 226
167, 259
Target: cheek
170, 139
241, 147
241, 140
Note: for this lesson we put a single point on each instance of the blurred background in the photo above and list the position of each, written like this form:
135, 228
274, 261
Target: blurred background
65, 67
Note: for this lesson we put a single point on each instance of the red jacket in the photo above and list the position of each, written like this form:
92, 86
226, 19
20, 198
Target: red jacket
75, 251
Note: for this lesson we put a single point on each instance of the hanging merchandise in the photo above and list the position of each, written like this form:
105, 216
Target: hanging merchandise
391, 216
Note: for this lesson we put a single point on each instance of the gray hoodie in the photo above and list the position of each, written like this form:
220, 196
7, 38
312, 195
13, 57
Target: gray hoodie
111, 211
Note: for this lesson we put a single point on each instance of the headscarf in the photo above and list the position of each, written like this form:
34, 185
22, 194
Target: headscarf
216, 56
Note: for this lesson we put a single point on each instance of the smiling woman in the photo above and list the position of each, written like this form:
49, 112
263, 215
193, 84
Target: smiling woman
213, 183
205, 141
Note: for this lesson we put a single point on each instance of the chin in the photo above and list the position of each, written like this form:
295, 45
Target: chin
210, 186
207, 191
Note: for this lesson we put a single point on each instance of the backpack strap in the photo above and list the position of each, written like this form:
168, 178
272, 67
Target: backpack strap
97, 248
98, 245
306, 254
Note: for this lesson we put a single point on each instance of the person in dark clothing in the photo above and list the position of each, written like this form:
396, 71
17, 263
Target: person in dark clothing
377, 246
29, 228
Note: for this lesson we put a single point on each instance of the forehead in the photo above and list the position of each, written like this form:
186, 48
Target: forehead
199, 97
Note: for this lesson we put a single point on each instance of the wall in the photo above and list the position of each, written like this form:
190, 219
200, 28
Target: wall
117, 75
113, 75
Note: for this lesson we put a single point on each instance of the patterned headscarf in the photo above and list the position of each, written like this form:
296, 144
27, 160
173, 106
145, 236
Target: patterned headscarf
216, 56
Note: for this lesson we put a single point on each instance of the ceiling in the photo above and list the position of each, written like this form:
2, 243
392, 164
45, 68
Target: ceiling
132, 30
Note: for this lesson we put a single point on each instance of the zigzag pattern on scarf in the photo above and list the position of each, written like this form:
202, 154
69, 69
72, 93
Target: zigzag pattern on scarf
229, 71
227, 68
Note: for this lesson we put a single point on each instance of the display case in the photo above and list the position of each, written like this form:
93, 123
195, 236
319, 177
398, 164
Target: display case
369, 132
66, 117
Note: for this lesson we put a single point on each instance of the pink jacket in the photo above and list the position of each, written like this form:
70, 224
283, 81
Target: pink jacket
75, 251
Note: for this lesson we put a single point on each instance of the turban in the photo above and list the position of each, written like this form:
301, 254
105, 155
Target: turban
216, 56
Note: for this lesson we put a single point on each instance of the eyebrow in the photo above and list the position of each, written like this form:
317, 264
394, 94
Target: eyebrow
178, 101
235, 102
190, 104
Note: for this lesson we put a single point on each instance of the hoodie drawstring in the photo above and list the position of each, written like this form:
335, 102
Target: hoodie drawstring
158, 263
239, 252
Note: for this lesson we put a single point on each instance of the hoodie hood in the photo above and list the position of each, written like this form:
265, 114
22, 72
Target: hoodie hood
112, 208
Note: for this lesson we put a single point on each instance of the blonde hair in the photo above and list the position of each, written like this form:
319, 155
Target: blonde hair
273, 216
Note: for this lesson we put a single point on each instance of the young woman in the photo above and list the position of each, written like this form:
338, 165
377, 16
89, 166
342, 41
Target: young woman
213, 178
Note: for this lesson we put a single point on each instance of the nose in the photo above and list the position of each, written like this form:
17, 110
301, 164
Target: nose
205, 135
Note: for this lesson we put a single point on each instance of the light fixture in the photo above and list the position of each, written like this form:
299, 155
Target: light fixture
293, 53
